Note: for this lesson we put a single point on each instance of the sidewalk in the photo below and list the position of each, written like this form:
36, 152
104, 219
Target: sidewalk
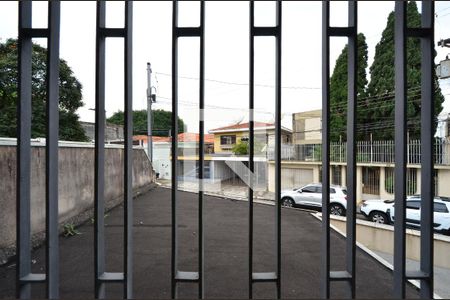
441, 275
239, 192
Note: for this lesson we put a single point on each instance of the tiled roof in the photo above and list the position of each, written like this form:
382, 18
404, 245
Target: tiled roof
182, 137
242, 126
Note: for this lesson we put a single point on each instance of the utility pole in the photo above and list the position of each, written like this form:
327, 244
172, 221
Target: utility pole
149, 113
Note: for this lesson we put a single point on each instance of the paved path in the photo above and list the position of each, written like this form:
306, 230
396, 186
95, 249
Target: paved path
226, 253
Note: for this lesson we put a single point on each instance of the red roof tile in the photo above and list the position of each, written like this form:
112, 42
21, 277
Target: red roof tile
242, 126
182, 137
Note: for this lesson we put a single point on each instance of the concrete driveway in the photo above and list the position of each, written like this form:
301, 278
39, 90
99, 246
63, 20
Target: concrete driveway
226, 253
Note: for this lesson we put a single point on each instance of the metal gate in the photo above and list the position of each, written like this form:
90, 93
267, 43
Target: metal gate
51, 277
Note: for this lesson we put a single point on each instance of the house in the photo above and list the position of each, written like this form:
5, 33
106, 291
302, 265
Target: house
187, 145
375, 161
226, 137
307, 127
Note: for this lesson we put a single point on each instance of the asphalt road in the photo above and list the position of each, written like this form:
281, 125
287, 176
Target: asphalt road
226, 253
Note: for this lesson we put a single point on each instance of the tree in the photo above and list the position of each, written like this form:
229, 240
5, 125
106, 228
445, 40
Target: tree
162, 122
70, 94
243, 147
339, 92
380, 103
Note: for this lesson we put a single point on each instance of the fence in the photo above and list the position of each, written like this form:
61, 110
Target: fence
366, 152
356, 152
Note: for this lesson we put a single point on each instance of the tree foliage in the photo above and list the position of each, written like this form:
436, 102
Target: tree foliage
376, 100
162, 122
339, 92
243, 147
70, 94
381, 100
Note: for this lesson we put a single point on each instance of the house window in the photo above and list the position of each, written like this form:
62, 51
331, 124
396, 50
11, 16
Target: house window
227, 140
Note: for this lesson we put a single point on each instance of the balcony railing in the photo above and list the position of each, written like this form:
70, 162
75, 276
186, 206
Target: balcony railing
366, 152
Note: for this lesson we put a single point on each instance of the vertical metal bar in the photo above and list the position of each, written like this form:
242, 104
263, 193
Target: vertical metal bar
174, 145
400, 149
351, 144
51, 161
325, 246
99, 179
251, 107
23, 186
427, 144
278, 145
201, 279
128, 161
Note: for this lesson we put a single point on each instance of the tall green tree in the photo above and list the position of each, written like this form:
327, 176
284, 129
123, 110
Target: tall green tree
162, 122
380, 103
70, 94
339, 92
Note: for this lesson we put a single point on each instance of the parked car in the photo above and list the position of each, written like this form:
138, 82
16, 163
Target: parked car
311, 195
441, 215
376, 210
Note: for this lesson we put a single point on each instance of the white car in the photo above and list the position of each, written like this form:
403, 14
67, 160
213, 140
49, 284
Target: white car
376, 210
441, 215
311, 195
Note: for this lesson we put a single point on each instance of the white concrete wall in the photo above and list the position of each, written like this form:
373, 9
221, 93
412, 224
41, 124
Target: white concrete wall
444, 180
75, 183
380, 237
161, 160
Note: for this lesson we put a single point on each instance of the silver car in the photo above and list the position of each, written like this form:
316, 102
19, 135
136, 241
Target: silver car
311, 195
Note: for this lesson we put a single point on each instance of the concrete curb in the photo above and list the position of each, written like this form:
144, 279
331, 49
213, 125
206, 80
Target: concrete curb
385, 263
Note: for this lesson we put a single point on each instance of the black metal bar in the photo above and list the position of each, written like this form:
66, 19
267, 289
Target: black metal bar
23, 183
278, 51
265, 277
174, 132
34, 32
201, 254
275, 32
352, 68
112, 32
251, 107
427, 166
128, 161
420, 275
111, 277
99, 176
177, 32
342, 31
423, 32
325, 246
51, 161
187, 276
400, 149
32, 278
266, 31
188, 31
341, 276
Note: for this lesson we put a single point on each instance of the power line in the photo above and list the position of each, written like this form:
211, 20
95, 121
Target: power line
441, 10
243, 83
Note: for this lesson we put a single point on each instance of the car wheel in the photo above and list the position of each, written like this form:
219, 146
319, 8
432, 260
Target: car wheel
337, 209
379, 217
287, 202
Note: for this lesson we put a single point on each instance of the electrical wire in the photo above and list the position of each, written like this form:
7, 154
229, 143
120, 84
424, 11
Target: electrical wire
243, 83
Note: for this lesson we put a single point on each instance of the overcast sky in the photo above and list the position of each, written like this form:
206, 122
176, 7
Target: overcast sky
226, 42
